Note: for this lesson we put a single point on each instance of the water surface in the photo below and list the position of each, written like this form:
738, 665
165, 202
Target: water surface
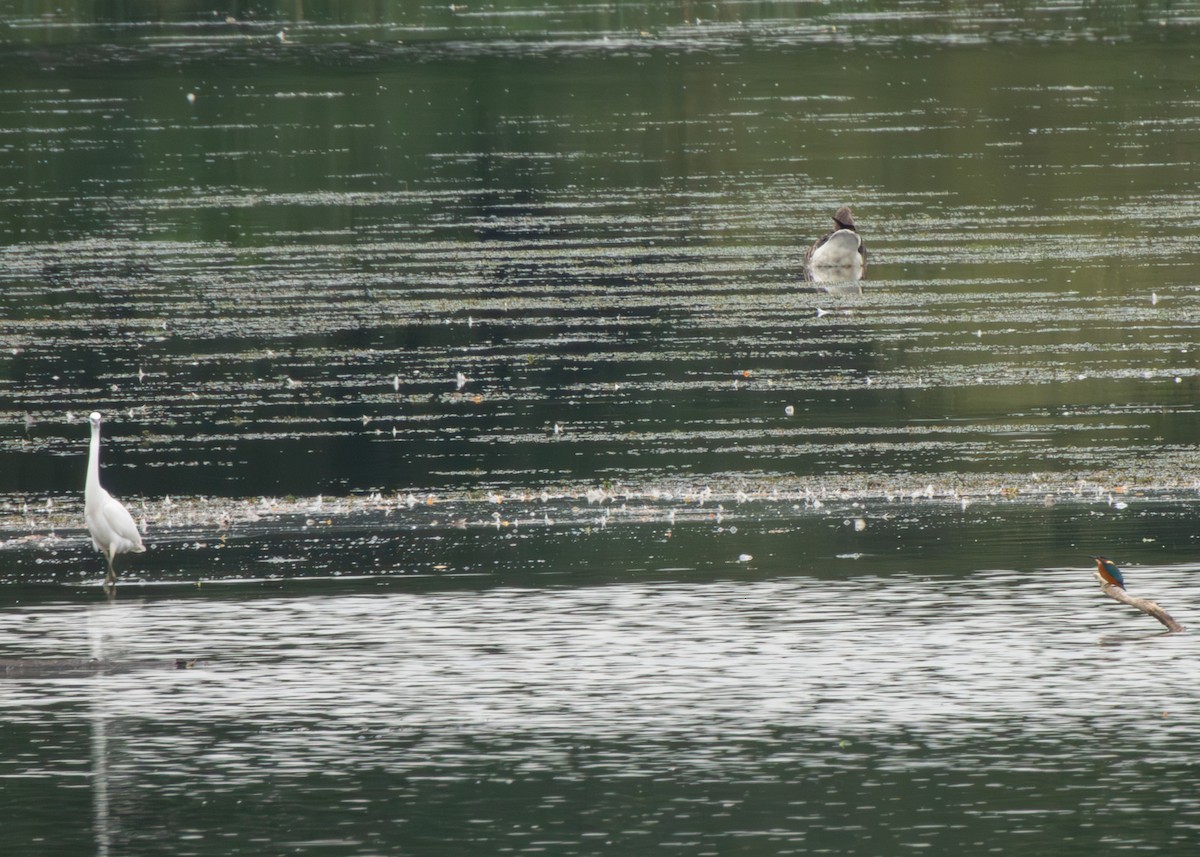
604, 593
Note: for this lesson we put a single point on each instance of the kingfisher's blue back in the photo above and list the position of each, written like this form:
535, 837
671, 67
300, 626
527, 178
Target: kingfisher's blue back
1109, 572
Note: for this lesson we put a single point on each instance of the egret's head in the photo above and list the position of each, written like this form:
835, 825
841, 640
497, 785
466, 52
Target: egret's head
94, 419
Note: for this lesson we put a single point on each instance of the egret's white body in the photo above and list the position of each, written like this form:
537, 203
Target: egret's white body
110, 524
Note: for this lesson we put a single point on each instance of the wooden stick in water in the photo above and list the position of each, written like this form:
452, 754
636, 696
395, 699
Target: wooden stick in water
1147, 606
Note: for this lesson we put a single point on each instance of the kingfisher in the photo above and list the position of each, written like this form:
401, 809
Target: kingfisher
1108, 572
842, 247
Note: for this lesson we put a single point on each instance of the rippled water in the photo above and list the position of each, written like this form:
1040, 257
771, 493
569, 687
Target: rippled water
850, 679
858, 714
272, 290
605, 593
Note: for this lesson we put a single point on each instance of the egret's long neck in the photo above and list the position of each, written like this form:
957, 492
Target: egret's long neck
93, 471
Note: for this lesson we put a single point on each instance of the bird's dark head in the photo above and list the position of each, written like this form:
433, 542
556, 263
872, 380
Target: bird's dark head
844, 219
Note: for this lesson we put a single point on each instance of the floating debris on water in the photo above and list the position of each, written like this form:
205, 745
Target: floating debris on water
24, 523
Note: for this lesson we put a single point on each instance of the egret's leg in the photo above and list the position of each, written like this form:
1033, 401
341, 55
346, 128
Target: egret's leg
110, 579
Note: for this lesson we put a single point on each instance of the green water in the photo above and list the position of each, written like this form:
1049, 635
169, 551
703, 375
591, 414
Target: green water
606, 595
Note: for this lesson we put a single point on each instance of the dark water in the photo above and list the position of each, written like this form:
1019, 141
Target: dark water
605, 595
625, 689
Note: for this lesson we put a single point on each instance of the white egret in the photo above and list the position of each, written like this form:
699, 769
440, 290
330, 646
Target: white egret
110, 524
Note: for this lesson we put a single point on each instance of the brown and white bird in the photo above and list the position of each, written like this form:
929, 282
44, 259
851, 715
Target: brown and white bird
841, 247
